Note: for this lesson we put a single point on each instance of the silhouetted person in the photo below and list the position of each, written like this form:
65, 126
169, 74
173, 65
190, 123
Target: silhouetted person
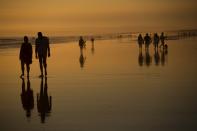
44, 102
162, 39
156, 57
42, 50
156, 41
148, 58
140, 58
25, 56
140, 41
27, 97
82, 43
147, 40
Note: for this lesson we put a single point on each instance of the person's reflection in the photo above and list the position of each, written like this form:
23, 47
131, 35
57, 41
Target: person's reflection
44, 102
82, 60
140, 58
164, 54
27, 97
148, 58
156, 57
93, 48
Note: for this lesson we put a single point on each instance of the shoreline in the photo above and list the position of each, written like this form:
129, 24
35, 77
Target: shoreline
15, 42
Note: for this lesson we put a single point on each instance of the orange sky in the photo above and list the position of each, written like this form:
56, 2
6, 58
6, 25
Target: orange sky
66, 17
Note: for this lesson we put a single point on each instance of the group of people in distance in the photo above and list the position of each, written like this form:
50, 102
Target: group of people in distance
156, 40
82, 43
42, 51
147, 40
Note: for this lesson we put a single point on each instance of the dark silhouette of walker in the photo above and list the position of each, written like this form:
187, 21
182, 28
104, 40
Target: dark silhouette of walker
44, 102
27, 97
42, 50
140, 42
82, 44
156, 40
25, 56
147, 41
162, 39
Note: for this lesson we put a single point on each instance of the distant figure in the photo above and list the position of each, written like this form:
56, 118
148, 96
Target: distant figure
27, 98
82, 44
140, 41
156, 41
147, 40
25, 56
42, 50
44, 102
162, 38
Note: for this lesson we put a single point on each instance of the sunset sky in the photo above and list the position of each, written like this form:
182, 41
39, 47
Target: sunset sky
69, 17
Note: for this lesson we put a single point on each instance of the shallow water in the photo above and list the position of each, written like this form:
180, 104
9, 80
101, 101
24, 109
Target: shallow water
111, 90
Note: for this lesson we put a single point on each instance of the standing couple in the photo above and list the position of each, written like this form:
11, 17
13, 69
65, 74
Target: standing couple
42, 50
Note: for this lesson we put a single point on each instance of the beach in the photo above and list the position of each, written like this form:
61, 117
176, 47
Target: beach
111, 88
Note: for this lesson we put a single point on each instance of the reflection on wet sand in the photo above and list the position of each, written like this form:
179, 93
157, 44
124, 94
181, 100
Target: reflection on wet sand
27, 97
140, 58
82, 58
148, 58
93, 49
44, 102
160, 57
156, 57
164, 54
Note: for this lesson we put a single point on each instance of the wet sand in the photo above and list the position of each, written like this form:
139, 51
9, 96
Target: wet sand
110, 90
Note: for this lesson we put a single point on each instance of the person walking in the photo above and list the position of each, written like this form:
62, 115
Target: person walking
25, 56
162, 39
82, 44
147, 40
156, 41
42, 50
140, 42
